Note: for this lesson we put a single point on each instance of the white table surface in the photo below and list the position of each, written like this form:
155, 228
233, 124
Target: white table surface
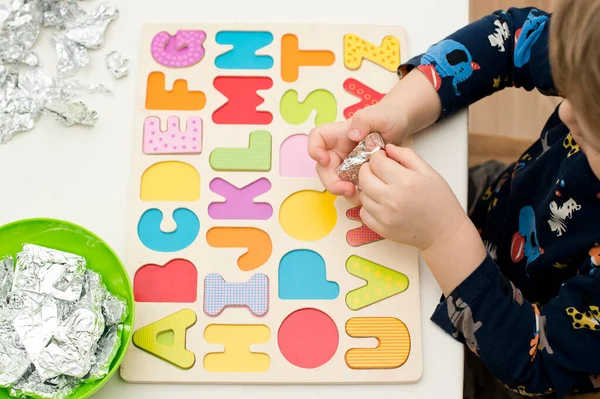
81, 175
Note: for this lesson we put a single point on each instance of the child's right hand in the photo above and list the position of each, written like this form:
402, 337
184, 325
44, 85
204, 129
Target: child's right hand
330, 144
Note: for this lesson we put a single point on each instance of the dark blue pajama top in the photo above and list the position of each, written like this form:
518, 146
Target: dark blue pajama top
530, 311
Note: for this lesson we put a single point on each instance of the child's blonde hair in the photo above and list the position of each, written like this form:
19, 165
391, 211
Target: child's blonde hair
575, 55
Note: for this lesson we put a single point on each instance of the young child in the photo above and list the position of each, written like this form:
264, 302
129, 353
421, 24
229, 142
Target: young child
520, 276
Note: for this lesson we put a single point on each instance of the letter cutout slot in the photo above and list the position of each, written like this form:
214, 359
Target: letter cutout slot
242, 100
237, 356
178, 99
152, 236
219, 294
393, 346
173, 140
243, 54
257, 242
239, 202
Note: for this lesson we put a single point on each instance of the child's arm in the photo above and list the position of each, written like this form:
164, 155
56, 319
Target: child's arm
500, 50
528, 348
474, 62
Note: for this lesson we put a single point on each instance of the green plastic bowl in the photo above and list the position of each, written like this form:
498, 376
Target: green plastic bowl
69, 237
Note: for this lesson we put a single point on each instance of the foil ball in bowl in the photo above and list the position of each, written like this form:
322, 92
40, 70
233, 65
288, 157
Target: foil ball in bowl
66, 310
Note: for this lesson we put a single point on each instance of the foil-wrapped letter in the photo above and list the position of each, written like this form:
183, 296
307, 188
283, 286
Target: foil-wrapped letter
348, 170
48, 271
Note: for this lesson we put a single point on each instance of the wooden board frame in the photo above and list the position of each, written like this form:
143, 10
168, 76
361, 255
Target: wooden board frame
140, 366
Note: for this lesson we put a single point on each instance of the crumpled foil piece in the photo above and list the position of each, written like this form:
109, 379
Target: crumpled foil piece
7, 272
19, 302
116, 64
19, 32
71, 349
4, 13
115, 309
348, 170
71, 56
32, 384
60, 13
35, 328
49, 271
14, 361
7, 331
27, 95
69, 114
89, 30
106, 351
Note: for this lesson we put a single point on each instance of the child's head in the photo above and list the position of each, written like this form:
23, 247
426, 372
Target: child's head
575, 60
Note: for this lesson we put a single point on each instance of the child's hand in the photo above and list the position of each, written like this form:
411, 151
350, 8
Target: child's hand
331, 143
406, 200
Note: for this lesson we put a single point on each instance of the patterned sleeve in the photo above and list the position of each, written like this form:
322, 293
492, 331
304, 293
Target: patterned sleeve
530, 349
504, 49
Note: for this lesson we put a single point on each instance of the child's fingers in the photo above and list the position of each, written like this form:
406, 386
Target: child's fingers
370, 184
408, 158
387, 169
369, 203
331, 180
317, 147
367, 120
371, 222
354, 199
324, 138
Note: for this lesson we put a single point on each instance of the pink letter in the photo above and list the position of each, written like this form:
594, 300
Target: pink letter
239, 202
180, 51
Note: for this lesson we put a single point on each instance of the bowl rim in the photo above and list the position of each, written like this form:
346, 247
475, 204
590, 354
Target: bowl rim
124, 345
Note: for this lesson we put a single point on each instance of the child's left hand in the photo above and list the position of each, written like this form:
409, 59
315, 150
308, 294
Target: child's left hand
407, 201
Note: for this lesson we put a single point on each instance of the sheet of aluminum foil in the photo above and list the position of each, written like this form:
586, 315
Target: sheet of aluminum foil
105, 353
69, 114
60, 13
348, 170
35, 327
7, 272
116, 64
19, 302
32, 384
71, 56
25, 96
7, 331
19, 32
115, 309
48, 271
89, 29
14, 361
71, 349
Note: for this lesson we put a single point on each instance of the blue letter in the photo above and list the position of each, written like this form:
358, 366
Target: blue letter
155, 239
243, 54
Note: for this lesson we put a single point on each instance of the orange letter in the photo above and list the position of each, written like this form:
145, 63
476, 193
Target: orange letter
292, 58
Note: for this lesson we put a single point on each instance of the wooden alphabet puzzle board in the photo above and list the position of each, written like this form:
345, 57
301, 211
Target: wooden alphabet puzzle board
244, 269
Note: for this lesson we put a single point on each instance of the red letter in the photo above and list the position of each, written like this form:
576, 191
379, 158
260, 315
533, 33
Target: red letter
240, 109
367, 96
